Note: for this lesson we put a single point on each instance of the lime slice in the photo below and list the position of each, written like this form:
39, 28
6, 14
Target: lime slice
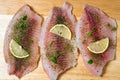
99, 46
17, 50
61, 30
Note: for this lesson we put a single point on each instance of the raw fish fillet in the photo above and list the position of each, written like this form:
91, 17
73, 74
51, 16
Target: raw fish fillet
24, 28
100, 26
54, 47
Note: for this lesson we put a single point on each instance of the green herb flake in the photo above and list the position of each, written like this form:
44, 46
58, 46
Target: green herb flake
54, 60
24, 17
30, 40
83, 42
114, 29
57, 54
51, 43
22, 25
89, 34
18, 41
90, 61
93, 28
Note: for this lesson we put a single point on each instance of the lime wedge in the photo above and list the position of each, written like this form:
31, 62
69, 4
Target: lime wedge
61, 30
17, 50
99, 46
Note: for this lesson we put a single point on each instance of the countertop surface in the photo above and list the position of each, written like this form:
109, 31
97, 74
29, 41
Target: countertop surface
43, 7
111, 7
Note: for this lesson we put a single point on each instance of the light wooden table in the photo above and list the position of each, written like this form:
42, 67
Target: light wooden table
43, 7
111, 7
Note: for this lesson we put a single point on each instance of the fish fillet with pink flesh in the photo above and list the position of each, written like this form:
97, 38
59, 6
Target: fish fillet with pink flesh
24, 28
58, 54
95, 25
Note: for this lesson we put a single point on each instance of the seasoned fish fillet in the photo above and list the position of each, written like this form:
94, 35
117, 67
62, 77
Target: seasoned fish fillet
24, 28
58, 54
95, 25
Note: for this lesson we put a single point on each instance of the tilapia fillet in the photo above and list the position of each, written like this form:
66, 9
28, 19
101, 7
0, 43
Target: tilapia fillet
24, 28
99, 26
58, 54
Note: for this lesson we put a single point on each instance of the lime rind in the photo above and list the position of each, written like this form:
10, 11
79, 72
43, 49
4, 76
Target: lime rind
99, 46
17, 50
61, 30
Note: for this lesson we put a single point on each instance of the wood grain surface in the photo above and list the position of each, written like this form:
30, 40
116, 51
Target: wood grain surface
43, 7
111, 7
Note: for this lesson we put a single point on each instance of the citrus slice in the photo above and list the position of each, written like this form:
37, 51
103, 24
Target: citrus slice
99, 46
61, 30
17, 50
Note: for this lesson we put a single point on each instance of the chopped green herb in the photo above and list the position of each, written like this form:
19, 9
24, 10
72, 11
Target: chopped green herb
24, 17
57, 54
114, 29
89, 34
93, 28
30, 40
51, 43
54, 60
83, 42
90, 61
22, 25
18, 41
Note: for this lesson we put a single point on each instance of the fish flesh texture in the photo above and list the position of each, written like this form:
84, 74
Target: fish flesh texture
24, 28
99, 25
57, 53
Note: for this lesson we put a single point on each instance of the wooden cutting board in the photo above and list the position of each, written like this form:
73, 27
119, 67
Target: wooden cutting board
111, 72
10, 7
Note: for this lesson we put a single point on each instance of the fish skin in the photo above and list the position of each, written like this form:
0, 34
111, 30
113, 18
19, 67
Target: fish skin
84, 25
21, 67
68, 58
